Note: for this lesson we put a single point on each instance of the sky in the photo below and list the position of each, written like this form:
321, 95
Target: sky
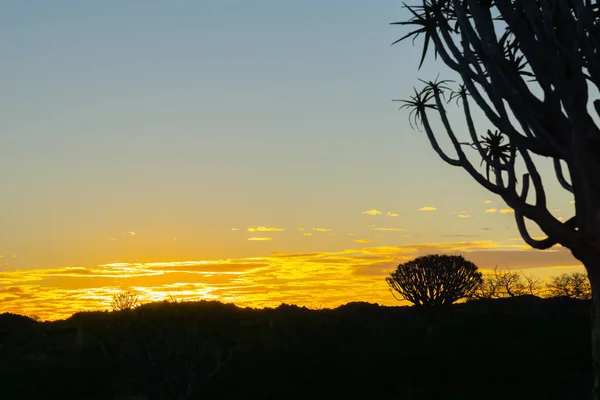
232, 150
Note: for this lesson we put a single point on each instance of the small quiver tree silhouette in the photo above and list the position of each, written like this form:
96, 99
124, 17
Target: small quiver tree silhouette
434, 282
574, 286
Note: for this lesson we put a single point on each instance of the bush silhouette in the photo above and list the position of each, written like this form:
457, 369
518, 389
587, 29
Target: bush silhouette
124, 301
574, 286
499, 284
435, 281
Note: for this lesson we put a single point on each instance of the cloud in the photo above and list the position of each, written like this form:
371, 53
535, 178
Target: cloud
387, 229
487, 202
297, 278
362, 241
462, 214
352, 234
520, 239
572, 202
321, 229
427, 208
371, 212
307, 234
507, 211
260, 238
265, 229
491, 210
235, 229
391, 214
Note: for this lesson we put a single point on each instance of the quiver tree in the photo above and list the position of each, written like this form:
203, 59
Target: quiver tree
434, 281
530, 67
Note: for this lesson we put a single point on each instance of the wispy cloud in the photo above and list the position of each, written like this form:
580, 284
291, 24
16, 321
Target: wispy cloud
572, 202
391, 214
371, 212
307, 234
491, 210
321, 229
487, 202
235, 229
260, 238
427, 208
507, 211
461, 236
387, 229
265, 229
461, 214
362, 241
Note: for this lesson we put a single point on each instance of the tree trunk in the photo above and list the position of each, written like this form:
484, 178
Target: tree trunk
595, 283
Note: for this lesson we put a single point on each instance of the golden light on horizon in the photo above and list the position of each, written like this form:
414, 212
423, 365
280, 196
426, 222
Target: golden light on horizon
327, 278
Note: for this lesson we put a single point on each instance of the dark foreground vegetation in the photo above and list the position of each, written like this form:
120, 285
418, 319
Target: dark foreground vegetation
518, 348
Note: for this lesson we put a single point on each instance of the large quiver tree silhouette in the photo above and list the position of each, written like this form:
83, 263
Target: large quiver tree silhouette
435, 281
530, 66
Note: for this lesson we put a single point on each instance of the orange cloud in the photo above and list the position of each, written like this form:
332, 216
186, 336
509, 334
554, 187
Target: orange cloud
507, 211
491, 210
260, 238
265, 229
387, 229
427, 208
371, 212
391, 214
300, 278
362, 241
321, 229
308, 234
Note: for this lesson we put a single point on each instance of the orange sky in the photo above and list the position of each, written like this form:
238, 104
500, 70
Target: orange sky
319, 279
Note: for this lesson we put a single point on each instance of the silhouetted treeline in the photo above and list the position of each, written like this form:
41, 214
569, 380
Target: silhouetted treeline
519, 348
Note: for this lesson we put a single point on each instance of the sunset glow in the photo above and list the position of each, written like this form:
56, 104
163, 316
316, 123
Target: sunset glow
317, 279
